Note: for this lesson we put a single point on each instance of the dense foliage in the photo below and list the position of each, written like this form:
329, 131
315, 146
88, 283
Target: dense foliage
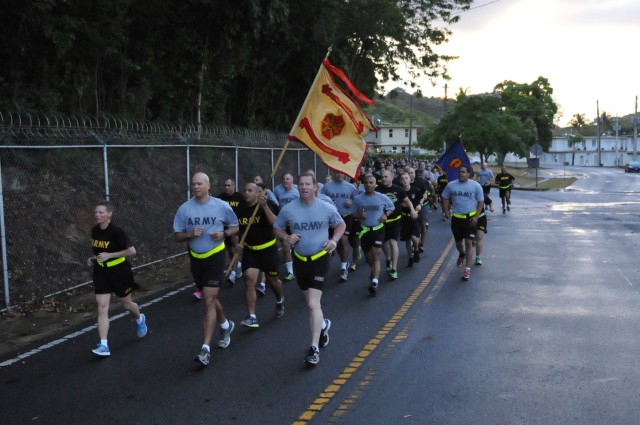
511, 119
247, 63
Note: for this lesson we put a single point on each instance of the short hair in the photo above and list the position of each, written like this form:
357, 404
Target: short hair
308, 174
107, 204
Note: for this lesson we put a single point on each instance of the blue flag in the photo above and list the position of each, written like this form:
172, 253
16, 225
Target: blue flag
453, 158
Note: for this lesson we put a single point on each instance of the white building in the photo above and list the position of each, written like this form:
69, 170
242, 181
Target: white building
614, 151
394, 138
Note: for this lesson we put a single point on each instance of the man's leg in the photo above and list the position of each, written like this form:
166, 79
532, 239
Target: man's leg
479, 245
211, 309
316, 318
250, 279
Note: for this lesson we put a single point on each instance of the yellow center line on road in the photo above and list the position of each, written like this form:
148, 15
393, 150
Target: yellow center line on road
356, 363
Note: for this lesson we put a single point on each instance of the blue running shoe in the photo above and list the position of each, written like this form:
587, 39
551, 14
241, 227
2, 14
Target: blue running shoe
101, 350
142, 327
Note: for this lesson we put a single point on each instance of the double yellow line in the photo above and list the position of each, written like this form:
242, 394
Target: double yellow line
356, 363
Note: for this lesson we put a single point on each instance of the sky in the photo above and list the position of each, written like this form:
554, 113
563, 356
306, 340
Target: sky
589, 50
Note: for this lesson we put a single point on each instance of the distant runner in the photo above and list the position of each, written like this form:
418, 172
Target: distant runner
504, 181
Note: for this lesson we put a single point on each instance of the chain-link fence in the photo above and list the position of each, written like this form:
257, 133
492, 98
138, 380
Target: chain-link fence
53, 169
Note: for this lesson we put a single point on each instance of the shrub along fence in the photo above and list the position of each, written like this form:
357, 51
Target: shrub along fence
54, 168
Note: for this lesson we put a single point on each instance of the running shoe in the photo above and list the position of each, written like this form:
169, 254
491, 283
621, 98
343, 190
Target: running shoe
289, 277
313, 356
204, 356
142, 327
373, 289
467, 274
353, 267
261, 290
197, 295
461, 259
416, 257
344, 275
225, 335
279, 310
101, 350
504, 211
393, 274
478, 261
250, 322
324, 334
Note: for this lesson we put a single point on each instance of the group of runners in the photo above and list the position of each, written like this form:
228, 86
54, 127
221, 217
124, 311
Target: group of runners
310, 222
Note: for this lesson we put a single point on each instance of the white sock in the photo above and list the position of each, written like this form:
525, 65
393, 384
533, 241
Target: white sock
374, 280
253, 315
206, 347
104, 342
139, 320
225, 325
263, 285
280, 301
344, 266
289, 266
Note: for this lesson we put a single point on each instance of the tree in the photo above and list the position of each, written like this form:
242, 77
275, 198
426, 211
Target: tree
242, 63
531, 102
486, 125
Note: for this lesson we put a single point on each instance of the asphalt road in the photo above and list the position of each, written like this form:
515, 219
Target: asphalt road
546, 332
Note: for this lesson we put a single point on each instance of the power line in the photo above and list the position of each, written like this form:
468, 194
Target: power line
476, 7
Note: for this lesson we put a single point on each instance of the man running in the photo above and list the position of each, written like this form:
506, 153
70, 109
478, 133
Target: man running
464, 200
260, 251
372, 208
342, 193
234, 199
484, 176
441, 183
410, 227
204, 222
392, 225
504, 181
286, 192
309, 220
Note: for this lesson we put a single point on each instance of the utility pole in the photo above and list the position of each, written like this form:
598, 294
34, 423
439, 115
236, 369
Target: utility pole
598, 131
635, 131
410, 127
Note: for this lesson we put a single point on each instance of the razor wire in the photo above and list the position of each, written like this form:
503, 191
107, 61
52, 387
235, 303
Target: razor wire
55, 167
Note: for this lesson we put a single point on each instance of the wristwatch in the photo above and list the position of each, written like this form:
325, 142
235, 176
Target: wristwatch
335, 240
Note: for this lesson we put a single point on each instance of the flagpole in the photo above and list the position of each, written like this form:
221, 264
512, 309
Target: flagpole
277, 164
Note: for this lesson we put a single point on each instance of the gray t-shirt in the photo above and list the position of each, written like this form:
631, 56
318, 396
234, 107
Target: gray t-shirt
214, 215
285, 196
375, 205
340, 192
484, 176
464, 197
311, 222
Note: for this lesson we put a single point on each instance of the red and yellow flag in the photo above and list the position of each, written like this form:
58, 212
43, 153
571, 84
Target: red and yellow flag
332, 124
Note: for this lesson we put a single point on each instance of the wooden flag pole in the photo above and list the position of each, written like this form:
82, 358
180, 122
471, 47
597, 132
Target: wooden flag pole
253, 214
